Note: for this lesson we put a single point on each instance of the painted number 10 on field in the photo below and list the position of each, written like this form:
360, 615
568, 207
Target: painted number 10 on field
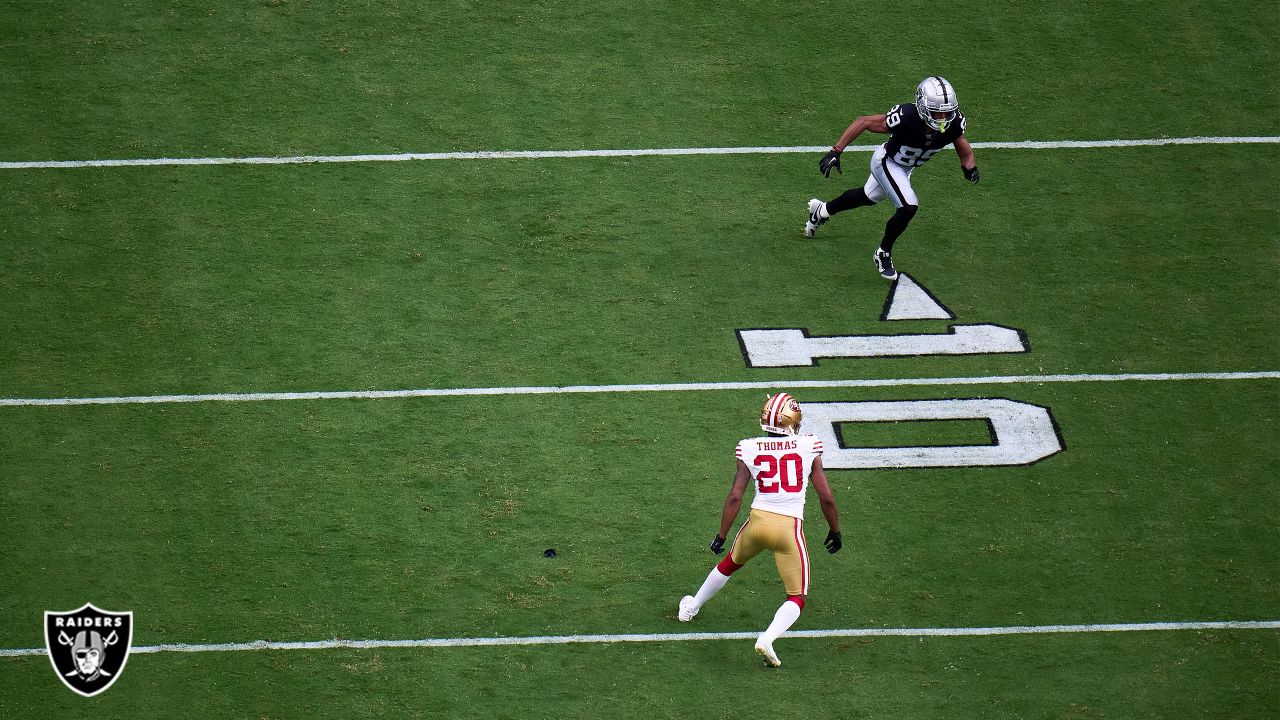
1020, 433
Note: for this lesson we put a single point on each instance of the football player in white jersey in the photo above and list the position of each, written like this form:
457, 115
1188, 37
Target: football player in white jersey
916, 131
781, 465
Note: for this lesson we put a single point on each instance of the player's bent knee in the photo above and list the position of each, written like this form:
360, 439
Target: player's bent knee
727, 566
797, 599
906, 212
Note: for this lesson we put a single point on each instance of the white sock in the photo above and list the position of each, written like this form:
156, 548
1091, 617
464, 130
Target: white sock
715, 580
822, 211
786, 615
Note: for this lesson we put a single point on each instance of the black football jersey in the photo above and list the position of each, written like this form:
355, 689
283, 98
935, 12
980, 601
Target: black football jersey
911, 141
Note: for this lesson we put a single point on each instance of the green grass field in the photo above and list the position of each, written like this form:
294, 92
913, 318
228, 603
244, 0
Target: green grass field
409, 518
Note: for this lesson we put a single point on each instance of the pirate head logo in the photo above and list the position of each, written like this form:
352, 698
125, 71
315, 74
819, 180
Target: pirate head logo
88, 647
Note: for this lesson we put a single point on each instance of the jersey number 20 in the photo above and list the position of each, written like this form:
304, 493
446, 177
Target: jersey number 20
788, 469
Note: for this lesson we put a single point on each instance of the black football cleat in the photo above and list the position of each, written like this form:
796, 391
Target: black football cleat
884, 265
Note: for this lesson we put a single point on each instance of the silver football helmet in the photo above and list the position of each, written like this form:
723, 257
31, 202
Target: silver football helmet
935, 95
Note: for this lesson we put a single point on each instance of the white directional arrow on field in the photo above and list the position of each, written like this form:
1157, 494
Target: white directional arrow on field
908, 300
794, 347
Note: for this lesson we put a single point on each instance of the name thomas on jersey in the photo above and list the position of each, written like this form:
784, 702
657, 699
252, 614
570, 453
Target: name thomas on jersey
780, 469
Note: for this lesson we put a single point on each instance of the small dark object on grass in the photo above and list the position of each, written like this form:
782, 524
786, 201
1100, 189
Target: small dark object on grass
549, 553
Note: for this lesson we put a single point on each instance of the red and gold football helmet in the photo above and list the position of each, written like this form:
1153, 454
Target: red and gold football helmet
781, 415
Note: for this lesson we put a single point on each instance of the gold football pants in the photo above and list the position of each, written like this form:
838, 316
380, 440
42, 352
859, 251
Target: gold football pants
782, 534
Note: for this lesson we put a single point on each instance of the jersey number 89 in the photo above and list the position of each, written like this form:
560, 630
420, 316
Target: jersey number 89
911, 157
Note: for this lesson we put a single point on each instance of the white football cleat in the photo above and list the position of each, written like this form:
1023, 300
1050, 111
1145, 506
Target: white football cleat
766, 650
815, 217
687, 609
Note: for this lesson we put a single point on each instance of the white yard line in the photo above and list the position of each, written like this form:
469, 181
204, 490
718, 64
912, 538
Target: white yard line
685, 637
540, 154
602, 389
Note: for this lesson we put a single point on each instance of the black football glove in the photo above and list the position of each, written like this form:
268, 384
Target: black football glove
828, 161
833, 542
717, 545
970, 174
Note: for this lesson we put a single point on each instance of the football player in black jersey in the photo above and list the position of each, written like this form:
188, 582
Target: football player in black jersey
916, 131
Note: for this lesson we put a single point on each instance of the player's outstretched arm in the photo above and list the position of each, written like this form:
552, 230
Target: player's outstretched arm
818, 478
968, 165
732, 504
874, 123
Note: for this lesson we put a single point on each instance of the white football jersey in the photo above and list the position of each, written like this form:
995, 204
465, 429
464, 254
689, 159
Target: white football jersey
780, 467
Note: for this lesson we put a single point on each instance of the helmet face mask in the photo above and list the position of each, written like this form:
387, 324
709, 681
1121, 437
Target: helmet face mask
781, 415
935, 95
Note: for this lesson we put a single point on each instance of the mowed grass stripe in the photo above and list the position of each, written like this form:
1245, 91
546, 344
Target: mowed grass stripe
541, 154
603, 389
686, 637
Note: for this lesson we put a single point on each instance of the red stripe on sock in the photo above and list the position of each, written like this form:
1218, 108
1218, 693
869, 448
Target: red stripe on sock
727, 566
